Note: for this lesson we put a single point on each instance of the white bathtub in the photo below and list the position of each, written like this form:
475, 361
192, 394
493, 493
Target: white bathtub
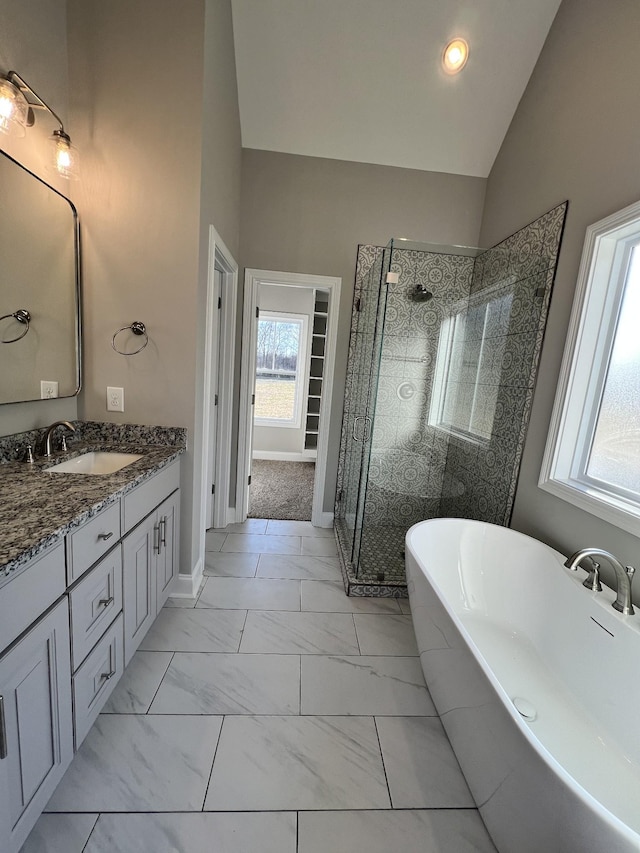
498, 618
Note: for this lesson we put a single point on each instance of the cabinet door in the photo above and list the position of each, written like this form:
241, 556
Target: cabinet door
167, 559
139, 551
36, 724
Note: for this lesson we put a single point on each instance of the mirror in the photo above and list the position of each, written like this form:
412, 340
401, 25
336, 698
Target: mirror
39, 288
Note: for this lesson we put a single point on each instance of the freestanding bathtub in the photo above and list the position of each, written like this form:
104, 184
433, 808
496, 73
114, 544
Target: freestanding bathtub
537, 682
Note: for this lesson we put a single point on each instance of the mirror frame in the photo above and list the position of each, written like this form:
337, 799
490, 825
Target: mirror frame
77, 288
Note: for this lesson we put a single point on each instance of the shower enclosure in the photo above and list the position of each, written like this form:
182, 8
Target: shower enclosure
443, 356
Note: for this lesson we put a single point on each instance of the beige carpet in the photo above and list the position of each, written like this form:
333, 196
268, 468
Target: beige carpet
281, 490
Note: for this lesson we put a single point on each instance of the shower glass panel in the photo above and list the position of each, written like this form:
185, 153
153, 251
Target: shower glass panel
359, 401
365, 437
408, 453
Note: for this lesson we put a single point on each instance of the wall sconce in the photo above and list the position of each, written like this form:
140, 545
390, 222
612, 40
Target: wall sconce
17, 113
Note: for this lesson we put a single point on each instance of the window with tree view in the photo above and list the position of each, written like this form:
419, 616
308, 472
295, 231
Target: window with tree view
280, 357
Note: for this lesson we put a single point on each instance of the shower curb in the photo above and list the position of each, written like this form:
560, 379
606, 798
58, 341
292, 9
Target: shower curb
363, 589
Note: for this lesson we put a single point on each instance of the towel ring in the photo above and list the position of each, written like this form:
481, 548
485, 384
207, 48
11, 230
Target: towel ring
137, 328
22, 316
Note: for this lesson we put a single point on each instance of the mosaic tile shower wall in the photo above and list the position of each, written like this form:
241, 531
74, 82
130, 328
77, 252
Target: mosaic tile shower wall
506, 319
438, 392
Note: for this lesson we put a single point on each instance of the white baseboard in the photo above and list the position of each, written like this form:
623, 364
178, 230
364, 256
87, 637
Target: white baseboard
234, 515
187, 586
326, 520
282, 456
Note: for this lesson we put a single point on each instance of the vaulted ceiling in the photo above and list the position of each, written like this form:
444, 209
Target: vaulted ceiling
362, 79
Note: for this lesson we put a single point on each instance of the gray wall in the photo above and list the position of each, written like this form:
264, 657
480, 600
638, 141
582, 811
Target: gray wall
220, 164
33, 42
575, 135
159, 134
308, 214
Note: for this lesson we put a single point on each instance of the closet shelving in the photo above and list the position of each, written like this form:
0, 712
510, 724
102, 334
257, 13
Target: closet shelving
316, 370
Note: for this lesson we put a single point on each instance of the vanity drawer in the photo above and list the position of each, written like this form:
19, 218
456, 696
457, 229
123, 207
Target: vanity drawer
137, 504
95, 602
94, 682
26, 596
88, 543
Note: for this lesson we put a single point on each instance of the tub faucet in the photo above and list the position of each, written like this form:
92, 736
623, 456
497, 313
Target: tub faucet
46, 441
624, 576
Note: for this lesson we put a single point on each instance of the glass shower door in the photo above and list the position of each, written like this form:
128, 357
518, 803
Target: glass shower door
363, 426
357, 402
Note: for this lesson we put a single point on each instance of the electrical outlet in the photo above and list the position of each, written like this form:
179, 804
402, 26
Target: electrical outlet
115, 399
48, 389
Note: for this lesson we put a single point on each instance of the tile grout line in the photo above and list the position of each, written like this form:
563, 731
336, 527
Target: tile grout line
205, 581
215, 753
384, 768
244, 625
355, 629
95, 823
147, 712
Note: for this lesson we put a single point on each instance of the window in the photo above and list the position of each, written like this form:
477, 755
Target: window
593, 451
468, 364
280, 369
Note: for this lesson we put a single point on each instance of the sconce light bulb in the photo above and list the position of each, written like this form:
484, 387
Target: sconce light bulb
65, 155
13, 109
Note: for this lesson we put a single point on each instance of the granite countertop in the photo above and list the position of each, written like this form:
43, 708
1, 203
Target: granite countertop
38, 507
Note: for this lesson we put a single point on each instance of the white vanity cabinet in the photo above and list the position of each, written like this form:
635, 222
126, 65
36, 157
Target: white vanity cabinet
149, 553
69, 621
36, 728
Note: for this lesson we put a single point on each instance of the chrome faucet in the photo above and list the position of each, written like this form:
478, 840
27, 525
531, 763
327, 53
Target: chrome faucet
624, 576
46, 441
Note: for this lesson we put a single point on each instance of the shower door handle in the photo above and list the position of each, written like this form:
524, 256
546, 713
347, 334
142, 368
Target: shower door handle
366, 431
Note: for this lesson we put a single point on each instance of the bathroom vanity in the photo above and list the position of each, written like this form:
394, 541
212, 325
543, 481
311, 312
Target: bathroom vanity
86, 563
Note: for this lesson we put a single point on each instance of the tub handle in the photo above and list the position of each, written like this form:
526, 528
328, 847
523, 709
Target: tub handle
592, 580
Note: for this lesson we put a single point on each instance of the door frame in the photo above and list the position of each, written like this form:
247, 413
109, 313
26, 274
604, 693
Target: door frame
221, 257
253, 278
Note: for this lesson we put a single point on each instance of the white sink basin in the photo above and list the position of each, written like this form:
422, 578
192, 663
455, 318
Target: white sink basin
96, 462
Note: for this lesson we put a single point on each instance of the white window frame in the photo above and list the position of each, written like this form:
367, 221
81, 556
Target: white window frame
302, 379
599, 292
456, 321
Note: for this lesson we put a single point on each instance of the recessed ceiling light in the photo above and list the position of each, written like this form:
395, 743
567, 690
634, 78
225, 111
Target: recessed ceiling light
455, 56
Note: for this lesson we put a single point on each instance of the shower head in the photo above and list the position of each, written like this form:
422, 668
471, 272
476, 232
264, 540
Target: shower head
420, 293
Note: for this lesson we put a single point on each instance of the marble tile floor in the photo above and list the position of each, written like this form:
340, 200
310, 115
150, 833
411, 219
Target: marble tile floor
271, 715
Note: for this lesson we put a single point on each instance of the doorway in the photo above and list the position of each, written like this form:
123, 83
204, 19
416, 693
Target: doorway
288, 356
219, 359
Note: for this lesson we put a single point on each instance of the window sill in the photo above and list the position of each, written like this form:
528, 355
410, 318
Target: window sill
263, 422
616, 511
461, 436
